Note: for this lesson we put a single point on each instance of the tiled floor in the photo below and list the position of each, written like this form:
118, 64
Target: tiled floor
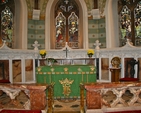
66, 107
104, 110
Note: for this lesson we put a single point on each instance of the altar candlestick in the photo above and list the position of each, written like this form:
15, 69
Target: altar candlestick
66, 52
82, 77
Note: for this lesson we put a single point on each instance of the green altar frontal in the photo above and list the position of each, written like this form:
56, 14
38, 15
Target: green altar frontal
66, 78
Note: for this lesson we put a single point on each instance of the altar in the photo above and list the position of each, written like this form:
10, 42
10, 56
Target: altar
66, 78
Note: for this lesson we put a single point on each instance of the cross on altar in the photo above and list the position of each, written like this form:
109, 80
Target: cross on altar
66, 51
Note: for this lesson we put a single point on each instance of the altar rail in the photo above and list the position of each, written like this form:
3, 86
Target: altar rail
102, 60
102, 97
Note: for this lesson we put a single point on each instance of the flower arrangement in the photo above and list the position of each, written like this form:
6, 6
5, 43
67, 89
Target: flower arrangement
51, 61
43, 52
90, 52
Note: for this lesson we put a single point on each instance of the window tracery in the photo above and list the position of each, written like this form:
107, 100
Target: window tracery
137, 21
60, 30
125, 22
130, 21
73, 28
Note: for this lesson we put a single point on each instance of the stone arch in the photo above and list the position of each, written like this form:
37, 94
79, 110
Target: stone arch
20, 25
112, 31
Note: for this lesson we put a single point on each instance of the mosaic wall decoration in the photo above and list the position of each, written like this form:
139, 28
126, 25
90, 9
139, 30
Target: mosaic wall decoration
96, 31
36, 32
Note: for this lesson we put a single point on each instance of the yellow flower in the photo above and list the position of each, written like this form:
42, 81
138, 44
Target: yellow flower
90, 52
43, 52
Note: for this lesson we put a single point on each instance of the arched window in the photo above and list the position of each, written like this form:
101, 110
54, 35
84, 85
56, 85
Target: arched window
67, 22
6, 17
130, 21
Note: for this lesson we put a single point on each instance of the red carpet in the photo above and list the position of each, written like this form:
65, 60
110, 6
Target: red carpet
20, 111
4, 81
134, 111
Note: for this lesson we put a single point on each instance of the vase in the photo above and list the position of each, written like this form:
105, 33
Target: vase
90, 56
43, 56
50, 63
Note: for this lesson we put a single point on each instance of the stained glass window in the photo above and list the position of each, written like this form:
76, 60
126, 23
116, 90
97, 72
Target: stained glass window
73, 27
66, 24
130, 21
60, 28
125, 23
137, 13
7, 26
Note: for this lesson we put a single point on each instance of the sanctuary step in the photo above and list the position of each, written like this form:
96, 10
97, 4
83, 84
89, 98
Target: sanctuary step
66, 112
132, 111
66, 107
115, 110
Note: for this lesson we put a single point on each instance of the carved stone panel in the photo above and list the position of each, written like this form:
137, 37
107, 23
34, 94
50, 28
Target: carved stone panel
93, 100
37, 99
